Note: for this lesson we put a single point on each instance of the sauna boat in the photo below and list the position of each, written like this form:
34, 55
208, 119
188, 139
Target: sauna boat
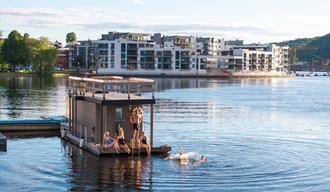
97, 104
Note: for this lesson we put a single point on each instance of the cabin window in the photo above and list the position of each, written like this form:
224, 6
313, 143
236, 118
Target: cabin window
118, 113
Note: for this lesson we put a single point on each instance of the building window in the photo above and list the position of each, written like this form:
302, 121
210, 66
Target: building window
177, 64
123, 56
118, 113
147, 59
123, 64
103, 52
177, 55
123, 47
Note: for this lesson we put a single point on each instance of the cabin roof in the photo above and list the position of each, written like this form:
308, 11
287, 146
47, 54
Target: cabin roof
113, 89
112, 80
116, 99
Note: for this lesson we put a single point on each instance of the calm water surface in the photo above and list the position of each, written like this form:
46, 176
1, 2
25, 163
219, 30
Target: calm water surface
258, 135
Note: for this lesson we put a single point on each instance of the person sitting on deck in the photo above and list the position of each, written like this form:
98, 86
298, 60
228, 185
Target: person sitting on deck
121, 139
144, 143
136, 119
110, 142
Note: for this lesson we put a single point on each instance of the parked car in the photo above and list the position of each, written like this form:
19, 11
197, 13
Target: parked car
58, 68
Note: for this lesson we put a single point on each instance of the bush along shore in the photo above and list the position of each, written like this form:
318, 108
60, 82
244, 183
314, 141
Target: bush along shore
27, 53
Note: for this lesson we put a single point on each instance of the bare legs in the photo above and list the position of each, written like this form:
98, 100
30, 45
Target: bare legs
147, 147
136, 135
125, 147
114, 144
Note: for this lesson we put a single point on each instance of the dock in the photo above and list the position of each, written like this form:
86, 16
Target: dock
28, 125
98, 150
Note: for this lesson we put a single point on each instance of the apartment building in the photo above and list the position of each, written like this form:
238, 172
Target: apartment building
267, 57
140, 53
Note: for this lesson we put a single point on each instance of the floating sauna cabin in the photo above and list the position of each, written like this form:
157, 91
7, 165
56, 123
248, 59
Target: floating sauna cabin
98, 104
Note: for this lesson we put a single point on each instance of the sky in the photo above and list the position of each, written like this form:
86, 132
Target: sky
254, 21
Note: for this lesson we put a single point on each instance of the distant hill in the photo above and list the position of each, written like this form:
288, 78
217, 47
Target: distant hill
308, 49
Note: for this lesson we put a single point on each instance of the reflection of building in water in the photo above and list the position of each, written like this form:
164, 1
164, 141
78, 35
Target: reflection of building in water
185, 83
89, 172
167, 83
264, 82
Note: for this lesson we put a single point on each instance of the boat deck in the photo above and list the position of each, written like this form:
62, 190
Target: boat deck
98, 150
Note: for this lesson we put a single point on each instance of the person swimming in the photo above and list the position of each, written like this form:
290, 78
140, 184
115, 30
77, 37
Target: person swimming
187, 158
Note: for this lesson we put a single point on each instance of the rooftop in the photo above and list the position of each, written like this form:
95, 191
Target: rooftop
112, 89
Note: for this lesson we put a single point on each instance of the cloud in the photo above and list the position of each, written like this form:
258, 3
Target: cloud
182, 29
138, 1
95, 21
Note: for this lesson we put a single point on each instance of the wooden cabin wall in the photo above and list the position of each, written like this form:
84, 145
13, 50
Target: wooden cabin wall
109, 118
67, 107
99, 133
90, 114
86, 115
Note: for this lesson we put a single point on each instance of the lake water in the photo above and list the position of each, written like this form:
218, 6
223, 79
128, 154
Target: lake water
257, 134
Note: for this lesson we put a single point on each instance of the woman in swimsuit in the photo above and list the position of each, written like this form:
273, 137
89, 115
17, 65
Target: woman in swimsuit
121, 139
109, 142
144, 143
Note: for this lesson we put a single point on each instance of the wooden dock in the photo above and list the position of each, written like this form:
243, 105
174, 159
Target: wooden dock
101, 151
29, 125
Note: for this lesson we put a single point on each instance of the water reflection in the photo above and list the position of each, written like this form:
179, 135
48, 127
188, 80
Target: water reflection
28, 97
163, 84
255, 133
89, 172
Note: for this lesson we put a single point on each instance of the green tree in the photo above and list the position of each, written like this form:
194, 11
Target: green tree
44, 55
29, 46
71, 38
1, 42
12, 49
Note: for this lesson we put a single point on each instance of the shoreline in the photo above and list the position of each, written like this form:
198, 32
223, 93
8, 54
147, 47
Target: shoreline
198, 76
215, 76
19, 74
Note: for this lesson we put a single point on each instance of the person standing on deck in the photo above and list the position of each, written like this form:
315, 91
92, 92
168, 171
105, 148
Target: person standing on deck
136, 120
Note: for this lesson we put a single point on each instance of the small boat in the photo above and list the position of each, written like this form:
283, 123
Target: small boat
101, 104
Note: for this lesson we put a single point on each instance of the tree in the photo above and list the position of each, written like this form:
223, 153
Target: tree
1, 42
71, 38
12, 49
44, 55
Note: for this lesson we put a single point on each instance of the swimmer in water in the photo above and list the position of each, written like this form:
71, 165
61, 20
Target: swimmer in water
187, 158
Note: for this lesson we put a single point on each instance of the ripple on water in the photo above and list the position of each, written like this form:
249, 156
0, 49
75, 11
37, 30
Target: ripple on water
257, 136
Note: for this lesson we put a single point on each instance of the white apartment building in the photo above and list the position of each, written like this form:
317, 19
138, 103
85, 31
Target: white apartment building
258, 57
139, 53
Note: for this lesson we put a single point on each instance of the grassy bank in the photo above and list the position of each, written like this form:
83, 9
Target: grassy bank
25, 73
